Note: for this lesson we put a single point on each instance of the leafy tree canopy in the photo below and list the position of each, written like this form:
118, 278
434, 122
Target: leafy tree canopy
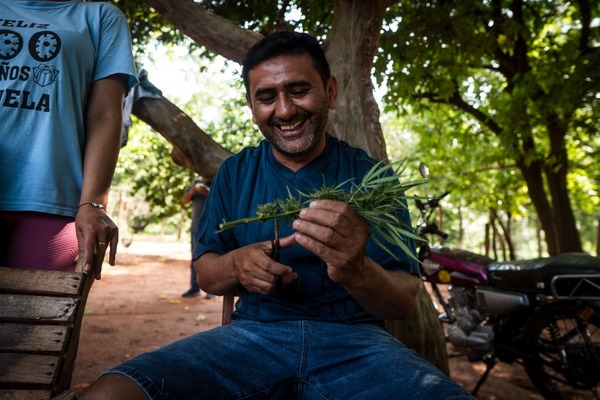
510, 85
525, 76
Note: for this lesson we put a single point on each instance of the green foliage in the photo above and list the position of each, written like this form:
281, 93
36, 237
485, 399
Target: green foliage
489, 84
235, 130
146, 168
455, 72
471, 165
220, 108
262, 16
147, 25
503, 64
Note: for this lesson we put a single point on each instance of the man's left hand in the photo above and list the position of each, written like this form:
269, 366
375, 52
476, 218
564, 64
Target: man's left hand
333, 231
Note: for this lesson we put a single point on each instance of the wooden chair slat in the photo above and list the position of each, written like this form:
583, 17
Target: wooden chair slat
28, 368
25, 395
40, 320
66, 395
36, 308
33, 338
40, 281
228, 301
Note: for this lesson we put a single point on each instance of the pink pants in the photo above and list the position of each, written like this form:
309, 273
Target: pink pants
37, 241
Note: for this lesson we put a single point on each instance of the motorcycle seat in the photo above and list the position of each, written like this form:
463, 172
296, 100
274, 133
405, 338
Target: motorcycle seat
567, 274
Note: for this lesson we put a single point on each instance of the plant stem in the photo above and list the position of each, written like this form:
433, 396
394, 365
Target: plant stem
260, 218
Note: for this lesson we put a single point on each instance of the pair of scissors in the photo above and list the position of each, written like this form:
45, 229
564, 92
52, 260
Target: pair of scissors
275, 254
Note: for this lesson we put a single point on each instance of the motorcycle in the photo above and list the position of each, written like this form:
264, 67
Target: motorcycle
543, 313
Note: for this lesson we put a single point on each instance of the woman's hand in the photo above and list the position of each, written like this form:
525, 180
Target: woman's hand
95, 233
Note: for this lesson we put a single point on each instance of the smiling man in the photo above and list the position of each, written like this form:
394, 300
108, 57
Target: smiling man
309, 323
290, 100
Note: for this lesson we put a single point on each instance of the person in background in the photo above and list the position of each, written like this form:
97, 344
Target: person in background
196, 194
67, 67
309, 323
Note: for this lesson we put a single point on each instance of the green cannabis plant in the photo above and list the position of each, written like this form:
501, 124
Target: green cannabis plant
377, 199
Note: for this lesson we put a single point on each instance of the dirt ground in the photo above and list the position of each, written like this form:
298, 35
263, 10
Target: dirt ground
137, 307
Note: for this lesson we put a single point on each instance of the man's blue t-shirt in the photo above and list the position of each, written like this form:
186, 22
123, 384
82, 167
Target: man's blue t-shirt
253, 177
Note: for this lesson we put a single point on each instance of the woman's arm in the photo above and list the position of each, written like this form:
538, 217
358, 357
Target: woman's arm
103, 124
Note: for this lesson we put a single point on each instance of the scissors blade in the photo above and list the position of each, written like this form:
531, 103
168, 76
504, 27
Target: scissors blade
275, 254
275, 241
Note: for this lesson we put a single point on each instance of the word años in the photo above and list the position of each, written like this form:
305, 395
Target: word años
13, 73
24, 100
43, 75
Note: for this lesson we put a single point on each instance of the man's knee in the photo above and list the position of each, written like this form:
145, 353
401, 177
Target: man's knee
113, 387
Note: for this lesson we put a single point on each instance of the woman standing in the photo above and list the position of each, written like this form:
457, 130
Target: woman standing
65, 67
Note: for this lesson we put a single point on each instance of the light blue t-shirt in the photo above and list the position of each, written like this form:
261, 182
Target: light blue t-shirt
50, 54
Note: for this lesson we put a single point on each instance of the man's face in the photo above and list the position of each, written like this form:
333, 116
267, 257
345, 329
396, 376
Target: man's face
290, 106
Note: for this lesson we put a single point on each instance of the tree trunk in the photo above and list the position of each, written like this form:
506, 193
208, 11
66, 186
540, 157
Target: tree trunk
556, 218
351, 48
486, 243
598, 237
461, 228
532, 173
423, 332
540, 242
556, 169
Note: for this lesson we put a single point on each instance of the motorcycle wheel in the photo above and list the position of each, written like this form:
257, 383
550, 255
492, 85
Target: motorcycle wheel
563, 351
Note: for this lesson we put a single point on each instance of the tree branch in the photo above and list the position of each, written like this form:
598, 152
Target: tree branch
193, 148
214, 32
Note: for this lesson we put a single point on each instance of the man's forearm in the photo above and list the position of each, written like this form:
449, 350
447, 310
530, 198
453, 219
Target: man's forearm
216, 273
386, 294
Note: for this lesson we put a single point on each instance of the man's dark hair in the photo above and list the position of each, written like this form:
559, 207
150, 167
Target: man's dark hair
285, 43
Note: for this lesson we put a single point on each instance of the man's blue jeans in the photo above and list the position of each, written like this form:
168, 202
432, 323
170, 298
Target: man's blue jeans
289, 360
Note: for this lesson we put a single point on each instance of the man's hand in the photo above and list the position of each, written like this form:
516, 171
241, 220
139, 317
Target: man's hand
95, 232
257, 272
333, 231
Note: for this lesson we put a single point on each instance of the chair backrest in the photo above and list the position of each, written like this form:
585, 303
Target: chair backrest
40, 320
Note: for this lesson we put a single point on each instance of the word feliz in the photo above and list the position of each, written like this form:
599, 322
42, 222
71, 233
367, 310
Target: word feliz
21, 24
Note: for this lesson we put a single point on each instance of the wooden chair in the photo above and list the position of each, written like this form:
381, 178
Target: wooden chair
40, 320
228, 301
